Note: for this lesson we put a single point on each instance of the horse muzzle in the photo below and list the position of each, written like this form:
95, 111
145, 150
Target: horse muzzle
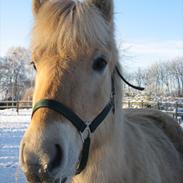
41, 167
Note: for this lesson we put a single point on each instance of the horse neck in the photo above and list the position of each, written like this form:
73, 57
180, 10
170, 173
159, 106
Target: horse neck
102, 158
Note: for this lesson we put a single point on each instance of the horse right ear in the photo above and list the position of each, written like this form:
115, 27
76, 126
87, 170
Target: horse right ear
36, 5
105, 6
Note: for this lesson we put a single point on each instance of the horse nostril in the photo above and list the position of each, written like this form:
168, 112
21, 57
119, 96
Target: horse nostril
21, 154
64, 180
57, 159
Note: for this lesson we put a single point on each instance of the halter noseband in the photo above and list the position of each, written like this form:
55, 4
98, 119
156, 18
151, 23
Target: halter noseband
84, 128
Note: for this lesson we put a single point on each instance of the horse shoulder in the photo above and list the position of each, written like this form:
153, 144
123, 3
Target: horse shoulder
167, 124
154, 141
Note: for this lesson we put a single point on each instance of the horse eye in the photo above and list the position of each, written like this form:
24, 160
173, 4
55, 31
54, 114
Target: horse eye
34, 66
99, 64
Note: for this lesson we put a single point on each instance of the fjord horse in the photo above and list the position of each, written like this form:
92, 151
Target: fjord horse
79, 133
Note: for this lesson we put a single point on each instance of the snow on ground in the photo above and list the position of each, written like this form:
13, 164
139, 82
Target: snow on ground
12, 127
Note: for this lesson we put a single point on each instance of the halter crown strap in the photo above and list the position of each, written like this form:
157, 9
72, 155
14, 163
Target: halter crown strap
129, 84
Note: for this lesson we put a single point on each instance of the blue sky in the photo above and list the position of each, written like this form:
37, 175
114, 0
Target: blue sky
149, 30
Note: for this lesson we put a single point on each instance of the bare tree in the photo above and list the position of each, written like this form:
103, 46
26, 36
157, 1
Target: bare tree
15, 72
164, 78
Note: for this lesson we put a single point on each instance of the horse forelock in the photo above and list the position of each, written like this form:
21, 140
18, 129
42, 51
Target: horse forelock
70, 27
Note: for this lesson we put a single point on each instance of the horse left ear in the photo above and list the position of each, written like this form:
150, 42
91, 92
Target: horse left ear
105, 6
36, 5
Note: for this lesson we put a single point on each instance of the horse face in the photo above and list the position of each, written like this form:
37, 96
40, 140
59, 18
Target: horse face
78, 76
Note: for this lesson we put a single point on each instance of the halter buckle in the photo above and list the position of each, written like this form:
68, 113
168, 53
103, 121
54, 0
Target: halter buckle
86, 133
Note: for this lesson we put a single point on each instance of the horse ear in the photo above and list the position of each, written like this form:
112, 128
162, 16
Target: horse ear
105, 6
36, 4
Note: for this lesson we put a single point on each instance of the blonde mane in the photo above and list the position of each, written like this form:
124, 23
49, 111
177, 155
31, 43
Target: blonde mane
66, 28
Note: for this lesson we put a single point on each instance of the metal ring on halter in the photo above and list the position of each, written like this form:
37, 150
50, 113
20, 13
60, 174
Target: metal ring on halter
86, 133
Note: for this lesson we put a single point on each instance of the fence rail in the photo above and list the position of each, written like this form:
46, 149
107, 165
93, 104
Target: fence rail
15, 105
163, 106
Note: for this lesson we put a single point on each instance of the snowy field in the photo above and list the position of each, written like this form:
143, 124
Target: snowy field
12, 127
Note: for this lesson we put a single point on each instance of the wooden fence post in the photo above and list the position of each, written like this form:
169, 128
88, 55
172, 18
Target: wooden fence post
142, 104
176, 109
158, 105
128, 104
17, 106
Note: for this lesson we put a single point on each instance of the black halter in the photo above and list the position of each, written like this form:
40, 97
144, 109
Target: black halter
84, 128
